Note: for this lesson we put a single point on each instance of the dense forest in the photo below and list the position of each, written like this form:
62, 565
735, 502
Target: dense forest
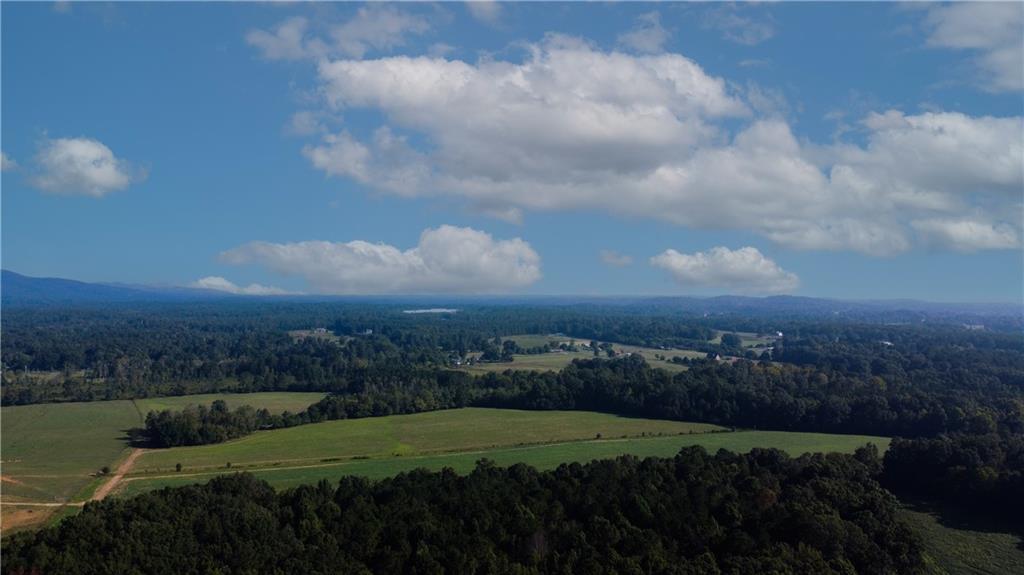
983, 473
762, 512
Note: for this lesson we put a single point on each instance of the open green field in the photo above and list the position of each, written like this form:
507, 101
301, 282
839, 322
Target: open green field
537, 340
544, 456
51, 451
275, 401
749, 339
965, 550
650, 355
555, 361
454, 430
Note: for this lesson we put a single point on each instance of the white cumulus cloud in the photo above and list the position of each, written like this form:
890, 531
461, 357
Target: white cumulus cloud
994, 31
81, 166
745, 270
447, 259
220, 284
573, 127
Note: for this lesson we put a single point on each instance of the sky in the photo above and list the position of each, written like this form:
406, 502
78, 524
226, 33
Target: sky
856, 151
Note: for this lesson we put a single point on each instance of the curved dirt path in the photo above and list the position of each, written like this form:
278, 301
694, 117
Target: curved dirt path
119, 474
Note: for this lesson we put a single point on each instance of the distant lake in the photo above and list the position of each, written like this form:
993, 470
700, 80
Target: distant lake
431, 310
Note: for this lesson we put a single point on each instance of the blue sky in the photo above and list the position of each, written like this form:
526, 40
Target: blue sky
837, 150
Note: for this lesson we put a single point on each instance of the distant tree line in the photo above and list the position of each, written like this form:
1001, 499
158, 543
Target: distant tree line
145, 351
742, 394
696, 513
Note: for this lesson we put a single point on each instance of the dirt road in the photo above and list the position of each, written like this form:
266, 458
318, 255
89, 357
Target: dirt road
119, 474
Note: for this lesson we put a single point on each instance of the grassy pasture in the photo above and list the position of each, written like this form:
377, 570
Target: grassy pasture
456, 430
748, 339
965, 550
545, 456
50, 450
557, 360
651, 353
275, 401
538, 362
537, 340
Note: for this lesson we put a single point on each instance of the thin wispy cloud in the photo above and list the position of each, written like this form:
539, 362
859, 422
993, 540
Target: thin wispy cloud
6, 163
992, 31
218, 283
373, 28
615, 259
487, 11
740, 23
647, 34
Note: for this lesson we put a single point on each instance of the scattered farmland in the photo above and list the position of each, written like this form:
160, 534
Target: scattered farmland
556, 360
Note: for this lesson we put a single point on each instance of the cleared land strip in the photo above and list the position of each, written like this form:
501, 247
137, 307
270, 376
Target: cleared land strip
275, 466
444, 431
37, 504
545, 456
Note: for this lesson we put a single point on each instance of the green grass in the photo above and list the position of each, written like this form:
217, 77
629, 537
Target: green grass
537, 340
650, 355
50, 450
965, 551
469, 429
748, 339
275, 401
540, 456
555, 361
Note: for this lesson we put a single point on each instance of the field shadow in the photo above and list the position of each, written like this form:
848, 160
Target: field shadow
966, 519
136, 437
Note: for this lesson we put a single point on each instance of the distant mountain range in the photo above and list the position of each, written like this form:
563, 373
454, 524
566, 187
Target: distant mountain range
21, 290
17, 289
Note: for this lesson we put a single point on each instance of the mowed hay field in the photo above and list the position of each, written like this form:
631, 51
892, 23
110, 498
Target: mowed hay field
52, 451
541, 456
275, 401
454, 430
383, 446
